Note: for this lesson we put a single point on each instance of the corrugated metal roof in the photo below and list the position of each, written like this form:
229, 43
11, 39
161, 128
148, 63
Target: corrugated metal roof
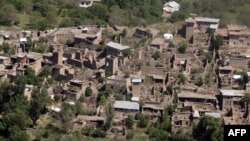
196, 114
213, 114
172, 4
128, 105
136, 80
117, 46
232, 92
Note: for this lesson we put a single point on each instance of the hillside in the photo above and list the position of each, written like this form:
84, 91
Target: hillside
43, 14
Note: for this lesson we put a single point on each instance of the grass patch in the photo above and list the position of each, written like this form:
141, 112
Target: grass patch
24, 21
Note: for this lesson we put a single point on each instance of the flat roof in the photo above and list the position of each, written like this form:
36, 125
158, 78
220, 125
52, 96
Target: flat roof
233, 92
3, 57
136, 80
128, 105
187, 94
34, 55
135, 98
76, 81
237, 76
153, 106
90, 118
157, 41
214, 26
213, 114
204, 19
116, 45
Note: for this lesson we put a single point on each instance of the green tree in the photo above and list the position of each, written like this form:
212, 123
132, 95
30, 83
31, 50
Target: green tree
5, 47
156, 55
115, 17
28, 45
166, 123
130, 135
129, 122
199, 82
181, 137
18, 119
103, 100
88, 91
45, 71
246, 98
182, 78
208, 129
170, 89
217, 42
98, 133
99, 11
157, 134
182, 48
209, 56
143, 121
39, 101
8, 14
65, 117
109, 116
19, 135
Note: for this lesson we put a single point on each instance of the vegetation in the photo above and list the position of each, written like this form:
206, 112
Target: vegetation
229, 11
199, 82
48, 14
88, 91
182, 78
246, 98
156, 55
182, 47
209, 129
129, 122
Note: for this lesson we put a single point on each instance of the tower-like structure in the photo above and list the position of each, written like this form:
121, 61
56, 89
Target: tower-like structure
189, 33
58, 57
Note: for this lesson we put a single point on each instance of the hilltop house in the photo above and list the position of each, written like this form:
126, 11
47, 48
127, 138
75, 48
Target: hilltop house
171, 7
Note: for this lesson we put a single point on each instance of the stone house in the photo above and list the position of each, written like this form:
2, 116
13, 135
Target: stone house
115, 49
31, 59
157, 73
154, 109
136, 89
230, 99
181, 121
60, 35
111, 65
197, 28
157, 44
61, 73
239, 36
148, 33
82, 121
88, 38
117, 83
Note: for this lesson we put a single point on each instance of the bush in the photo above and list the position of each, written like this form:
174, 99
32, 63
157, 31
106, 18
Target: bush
182, 48
46, 134
199, 82
98, 133
88, 91
159, 65
156, 55
101, 79
130, 135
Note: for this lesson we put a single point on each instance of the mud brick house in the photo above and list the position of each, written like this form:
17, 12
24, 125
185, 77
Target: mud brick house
239, 36
198, 28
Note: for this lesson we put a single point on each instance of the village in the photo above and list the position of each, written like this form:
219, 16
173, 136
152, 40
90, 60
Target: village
197, 68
